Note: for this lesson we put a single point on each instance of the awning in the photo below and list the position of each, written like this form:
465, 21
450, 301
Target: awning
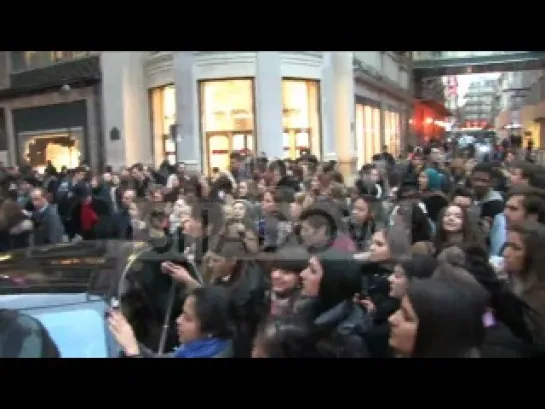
438, 107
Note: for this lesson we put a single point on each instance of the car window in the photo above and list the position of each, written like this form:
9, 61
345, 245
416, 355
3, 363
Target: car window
21, 336
78, 332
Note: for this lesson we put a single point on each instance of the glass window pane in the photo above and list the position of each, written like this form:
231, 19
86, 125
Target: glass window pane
300, 115
227, 105
376, 131
360, 134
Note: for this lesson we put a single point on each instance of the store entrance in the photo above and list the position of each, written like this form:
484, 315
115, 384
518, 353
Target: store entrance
220, 144
294, 141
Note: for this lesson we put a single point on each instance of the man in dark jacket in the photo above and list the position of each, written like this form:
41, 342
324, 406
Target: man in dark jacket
122, 218
48, 228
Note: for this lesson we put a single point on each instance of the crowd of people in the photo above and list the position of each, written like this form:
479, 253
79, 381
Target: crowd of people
426, 255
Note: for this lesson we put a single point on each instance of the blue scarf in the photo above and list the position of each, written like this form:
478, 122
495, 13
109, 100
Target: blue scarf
201, 348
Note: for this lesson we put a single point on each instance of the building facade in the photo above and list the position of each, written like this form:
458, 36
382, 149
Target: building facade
50, 105
521, 110
479, 109
198, 107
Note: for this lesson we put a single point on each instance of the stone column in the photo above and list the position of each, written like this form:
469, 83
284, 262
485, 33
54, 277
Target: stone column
327, 91
268, 104
125, 107
344, 113
189, 138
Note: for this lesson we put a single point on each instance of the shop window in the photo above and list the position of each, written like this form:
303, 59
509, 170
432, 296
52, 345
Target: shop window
227, 120
60, 147
392, 132
371, 132
163, 112
301, 117
360, 138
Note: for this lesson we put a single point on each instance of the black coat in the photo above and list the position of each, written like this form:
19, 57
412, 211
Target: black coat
340, 331
248, 303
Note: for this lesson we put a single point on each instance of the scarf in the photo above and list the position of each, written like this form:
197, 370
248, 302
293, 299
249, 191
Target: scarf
201, 348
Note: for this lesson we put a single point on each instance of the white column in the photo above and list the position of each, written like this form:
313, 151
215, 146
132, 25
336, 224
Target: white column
327, 91
189, 138
344, 106
126, 107
268, 103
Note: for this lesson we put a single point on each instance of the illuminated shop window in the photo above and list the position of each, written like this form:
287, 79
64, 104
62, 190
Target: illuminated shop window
60, 147
360, 139
163, 106
227, 120
301, 117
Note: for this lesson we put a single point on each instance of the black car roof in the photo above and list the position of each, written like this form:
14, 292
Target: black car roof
93, 267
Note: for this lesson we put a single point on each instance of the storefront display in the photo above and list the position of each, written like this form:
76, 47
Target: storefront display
301, 117
392, 130
163, 106
227, 119
61, 148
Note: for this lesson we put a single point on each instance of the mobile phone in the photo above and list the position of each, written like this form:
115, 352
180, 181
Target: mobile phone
113, 305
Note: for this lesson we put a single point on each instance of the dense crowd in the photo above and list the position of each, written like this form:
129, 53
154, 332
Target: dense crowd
432, 254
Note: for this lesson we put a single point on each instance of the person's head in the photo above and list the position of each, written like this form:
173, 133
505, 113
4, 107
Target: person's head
389, 244
38, 198
107, 177
429, 179
206, 218
115, 179
462, 197
330, 278
287, 266
237, 160
451, 264
510, 157
362, 209
134, 212
524, 203
521, 173
261, 186
437, 320
315, 184
157, 196
225, 254
205, 315
277, 171
242, 189
296, 208
417, 162
137, 171
240, 209
79, 174
286, 337
481, 178
320, 223
128, 198
523, 253
455, 226
417, 267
